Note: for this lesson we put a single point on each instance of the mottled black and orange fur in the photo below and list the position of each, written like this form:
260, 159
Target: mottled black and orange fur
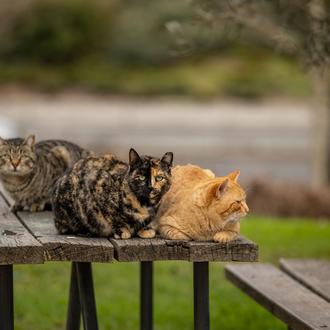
105, 196
29, 170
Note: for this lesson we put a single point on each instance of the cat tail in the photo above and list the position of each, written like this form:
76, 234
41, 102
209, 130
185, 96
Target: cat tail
62, 154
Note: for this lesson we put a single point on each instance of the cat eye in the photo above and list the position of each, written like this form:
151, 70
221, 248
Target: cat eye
142, 177
159, 178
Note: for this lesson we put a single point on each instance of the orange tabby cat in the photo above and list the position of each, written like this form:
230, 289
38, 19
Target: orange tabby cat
200, 206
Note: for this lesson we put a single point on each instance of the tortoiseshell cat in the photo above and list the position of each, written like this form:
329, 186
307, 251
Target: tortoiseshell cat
106, 197
29, 170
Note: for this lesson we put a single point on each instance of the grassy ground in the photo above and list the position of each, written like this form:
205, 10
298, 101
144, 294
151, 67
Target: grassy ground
253, 75
41, 291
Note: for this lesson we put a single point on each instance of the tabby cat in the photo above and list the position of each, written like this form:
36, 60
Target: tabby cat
200, 206
104, 196
29, 170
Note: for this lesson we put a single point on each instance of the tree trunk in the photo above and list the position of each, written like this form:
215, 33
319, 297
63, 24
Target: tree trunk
319, 58
321, 126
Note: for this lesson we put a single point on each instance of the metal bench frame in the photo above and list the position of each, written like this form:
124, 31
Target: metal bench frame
82, 299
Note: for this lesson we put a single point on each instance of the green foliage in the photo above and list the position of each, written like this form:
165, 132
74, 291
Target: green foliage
63, 31
117, 285
139, 48
235, 73
59, 31
158, 32
139, 30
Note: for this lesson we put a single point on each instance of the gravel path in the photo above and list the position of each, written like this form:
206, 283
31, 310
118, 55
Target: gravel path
267, 138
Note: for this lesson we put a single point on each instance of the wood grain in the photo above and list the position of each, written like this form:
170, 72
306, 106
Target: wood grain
17, 245
240, 249
314, 274
138, 249
287, 299
65, 247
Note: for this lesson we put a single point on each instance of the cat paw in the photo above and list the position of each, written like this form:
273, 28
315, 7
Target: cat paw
122, 233
224, 236
173, 233
37, 207
146, 233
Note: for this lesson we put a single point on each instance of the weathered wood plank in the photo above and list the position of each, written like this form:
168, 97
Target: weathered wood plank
281, 295
314, 274
65, 247
139, 249
240, 249
17, 245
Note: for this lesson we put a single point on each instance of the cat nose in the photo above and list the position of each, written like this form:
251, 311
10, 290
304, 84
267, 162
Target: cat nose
245, 207
15, 163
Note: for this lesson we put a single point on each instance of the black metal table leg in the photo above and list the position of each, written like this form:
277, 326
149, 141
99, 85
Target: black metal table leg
146, 295
74, 309
201, 296
86, 294
6, 298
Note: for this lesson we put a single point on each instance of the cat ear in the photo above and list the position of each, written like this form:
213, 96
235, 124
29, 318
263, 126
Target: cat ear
30, 140
134, 157
167, 159
222, 188
234, 175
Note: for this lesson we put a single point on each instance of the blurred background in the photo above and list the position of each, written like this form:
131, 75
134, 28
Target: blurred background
226, 85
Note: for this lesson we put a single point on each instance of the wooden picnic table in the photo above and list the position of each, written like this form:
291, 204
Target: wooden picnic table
298, 294
31, 238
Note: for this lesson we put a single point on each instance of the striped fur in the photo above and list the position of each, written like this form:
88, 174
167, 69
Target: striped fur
29, 170
106, 197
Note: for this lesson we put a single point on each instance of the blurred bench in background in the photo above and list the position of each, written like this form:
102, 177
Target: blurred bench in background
299, 295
